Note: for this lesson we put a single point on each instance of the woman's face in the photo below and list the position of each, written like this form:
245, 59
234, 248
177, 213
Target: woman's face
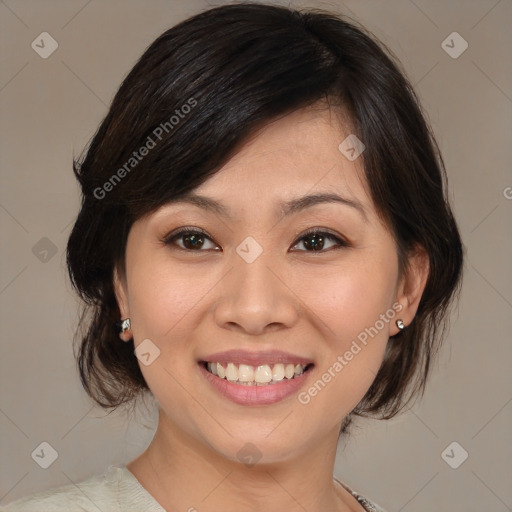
254, 292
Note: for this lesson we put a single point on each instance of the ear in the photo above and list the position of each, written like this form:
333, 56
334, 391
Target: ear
121, 292
411, 286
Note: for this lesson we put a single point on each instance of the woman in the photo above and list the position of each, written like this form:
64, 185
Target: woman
264, 221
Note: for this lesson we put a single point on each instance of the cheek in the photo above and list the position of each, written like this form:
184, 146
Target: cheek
354, 306
350, 297
163, 309
168, 304
163, 299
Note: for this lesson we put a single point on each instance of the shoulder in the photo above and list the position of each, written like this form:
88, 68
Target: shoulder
116, 490
97, 493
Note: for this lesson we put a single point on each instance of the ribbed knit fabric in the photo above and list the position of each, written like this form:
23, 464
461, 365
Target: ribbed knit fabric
117, 490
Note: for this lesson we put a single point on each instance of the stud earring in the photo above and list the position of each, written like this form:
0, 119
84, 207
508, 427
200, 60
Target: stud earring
400, 324
125, 325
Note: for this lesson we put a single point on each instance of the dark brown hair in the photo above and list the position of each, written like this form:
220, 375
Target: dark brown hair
196, 94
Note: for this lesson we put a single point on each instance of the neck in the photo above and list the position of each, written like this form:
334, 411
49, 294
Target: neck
183, 474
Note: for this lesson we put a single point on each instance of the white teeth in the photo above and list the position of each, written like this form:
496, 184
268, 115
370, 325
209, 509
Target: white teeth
245, 373
262, 375
278, 372
231, 372
289, 371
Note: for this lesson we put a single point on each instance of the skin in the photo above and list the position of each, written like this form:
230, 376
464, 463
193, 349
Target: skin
192, 303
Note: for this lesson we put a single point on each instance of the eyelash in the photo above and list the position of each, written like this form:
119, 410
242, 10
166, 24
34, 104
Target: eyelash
170, 239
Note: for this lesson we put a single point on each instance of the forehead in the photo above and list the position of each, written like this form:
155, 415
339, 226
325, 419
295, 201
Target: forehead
293, 155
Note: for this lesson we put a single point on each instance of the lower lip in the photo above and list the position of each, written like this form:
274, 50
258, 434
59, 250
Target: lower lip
255, 395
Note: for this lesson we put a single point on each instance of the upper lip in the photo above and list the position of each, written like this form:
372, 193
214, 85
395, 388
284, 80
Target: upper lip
269, 357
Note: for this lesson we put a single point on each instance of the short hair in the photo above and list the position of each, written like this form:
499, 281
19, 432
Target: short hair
198, 92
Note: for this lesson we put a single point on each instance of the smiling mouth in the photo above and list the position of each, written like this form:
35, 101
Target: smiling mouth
262, 375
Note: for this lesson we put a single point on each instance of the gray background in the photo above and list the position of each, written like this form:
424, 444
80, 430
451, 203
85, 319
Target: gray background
51, 107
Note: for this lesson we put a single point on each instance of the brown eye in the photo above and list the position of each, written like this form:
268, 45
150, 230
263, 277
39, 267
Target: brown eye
315, 241
191, 239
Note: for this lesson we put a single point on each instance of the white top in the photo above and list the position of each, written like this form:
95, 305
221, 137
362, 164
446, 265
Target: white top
117, 490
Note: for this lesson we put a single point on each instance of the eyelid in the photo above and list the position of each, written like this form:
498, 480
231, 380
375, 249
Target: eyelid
326, 231
184, 229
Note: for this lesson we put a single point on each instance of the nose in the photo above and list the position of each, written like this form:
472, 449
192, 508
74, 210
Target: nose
255, 297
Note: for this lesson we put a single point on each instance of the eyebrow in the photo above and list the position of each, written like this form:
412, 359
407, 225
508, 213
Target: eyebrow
284, 209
